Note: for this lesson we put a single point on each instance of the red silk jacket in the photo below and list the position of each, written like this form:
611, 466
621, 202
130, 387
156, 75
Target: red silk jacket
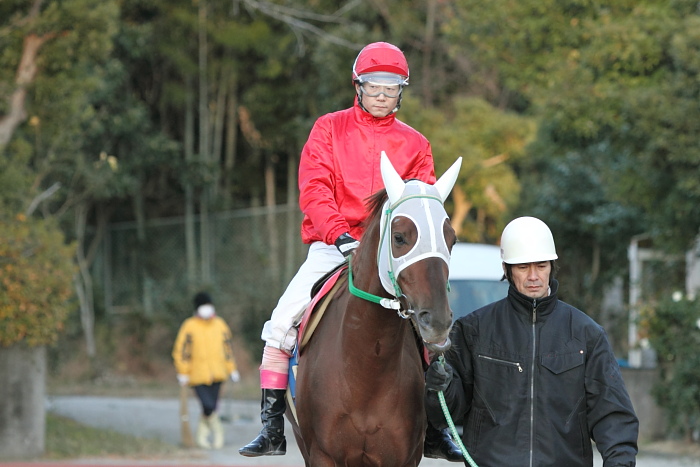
339, 169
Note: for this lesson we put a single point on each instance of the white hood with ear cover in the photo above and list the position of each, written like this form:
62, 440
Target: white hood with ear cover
422, 204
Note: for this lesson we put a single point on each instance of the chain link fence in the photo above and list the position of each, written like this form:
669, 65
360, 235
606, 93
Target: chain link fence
244, 258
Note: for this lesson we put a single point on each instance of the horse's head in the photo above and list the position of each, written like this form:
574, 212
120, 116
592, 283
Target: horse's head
414, 250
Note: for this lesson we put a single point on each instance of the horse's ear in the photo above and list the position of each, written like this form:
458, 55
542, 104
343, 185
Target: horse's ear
447, 181
392, 180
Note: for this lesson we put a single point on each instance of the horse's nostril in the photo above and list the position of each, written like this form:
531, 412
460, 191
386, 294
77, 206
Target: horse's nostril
424, 317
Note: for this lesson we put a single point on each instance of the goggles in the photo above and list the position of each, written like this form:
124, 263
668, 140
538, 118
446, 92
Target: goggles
389, 84
374, 90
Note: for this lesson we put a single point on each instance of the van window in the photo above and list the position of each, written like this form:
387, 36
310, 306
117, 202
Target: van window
468, 295
475, 277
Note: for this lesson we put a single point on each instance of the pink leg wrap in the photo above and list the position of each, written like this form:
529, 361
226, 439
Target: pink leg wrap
274, 369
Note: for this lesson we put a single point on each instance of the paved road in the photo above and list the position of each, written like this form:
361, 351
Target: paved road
159, 418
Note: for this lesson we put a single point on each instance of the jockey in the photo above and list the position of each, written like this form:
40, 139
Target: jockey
339, 168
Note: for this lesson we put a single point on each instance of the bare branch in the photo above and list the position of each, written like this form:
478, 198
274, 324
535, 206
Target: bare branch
304, 14
41, 197
299, 20
26, 71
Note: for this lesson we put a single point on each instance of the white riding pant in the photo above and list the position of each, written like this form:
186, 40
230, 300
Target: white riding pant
279, 331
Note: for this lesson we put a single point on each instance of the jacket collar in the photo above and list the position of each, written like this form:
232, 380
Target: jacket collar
524, 304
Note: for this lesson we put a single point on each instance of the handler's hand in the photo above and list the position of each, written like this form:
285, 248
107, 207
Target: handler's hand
438, 376
183, 379
235, 376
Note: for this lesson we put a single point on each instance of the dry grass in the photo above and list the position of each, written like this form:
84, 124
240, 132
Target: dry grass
136, 374
67, 439
120, 386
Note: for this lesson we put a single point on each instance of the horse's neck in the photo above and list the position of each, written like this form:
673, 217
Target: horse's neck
369, 327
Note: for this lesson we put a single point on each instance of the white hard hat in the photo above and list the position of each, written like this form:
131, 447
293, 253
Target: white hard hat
527, 240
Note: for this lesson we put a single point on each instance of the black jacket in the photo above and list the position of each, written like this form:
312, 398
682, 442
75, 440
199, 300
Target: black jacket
534, 381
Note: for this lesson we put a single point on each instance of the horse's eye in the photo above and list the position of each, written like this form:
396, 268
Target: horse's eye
399, 239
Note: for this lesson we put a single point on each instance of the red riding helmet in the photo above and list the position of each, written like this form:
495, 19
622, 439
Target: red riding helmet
380, 56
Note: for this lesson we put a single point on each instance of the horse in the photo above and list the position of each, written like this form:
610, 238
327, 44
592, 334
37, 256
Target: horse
360, 378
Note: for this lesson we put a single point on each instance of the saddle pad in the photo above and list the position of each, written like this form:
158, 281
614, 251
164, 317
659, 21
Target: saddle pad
307, 325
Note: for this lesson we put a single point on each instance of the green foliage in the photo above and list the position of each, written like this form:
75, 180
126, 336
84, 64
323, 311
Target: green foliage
615, 82
491, 143
36, 277
673, 327
610, 88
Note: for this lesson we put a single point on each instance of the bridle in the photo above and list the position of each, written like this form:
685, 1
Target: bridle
423, 204
426, 246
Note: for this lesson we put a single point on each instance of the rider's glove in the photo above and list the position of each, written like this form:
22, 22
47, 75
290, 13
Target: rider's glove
438, 376
345, 244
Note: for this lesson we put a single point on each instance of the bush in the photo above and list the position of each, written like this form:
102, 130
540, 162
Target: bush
673, 327
36, 277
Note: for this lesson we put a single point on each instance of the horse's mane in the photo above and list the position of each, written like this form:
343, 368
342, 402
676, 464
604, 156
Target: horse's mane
374, 205
370, 237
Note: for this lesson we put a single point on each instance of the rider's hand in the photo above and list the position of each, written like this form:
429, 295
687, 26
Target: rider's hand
438, 376
183, 379
235, 376
345, 244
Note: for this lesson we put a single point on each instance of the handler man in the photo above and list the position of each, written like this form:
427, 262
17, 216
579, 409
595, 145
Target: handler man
532, 379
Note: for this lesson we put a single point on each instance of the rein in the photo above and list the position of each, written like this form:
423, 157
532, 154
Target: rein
451, 423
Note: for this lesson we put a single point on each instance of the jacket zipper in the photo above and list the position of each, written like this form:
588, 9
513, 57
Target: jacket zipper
532, 384
505, 362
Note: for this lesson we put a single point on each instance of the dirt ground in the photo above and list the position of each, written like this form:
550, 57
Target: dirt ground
158, 418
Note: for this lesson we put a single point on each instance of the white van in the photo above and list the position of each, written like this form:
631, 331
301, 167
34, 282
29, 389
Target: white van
475, 277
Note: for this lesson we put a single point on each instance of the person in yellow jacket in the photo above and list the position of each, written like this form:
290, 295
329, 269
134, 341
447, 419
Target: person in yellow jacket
203, 357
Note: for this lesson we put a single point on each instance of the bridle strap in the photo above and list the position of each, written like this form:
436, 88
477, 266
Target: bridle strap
388, 303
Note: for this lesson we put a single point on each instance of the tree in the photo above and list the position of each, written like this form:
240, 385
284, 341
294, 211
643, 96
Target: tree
614, 89
491, 142
36, 271
673, 331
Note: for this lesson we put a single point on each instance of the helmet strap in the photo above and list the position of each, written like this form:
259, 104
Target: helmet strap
359, 97
398, 103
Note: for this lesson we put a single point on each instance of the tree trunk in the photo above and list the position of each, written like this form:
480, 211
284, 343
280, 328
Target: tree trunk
218, 129
22, 414
273, 234
83, 282
231, 138
461, 209
26, 72
190, 237
292, 228
140, 216
204, 228
428, 45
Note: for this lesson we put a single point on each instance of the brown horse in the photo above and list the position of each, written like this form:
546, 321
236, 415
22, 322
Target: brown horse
360, 380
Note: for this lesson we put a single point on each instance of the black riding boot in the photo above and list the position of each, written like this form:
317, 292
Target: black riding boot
271, 440
439, 445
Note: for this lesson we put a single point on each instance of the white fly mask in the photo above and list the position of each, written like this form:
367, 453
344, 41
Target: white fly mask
422, 204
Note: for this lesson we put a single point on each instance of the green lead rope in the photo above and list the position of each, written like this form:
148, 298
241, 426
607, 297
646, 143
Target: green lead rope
453, 429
